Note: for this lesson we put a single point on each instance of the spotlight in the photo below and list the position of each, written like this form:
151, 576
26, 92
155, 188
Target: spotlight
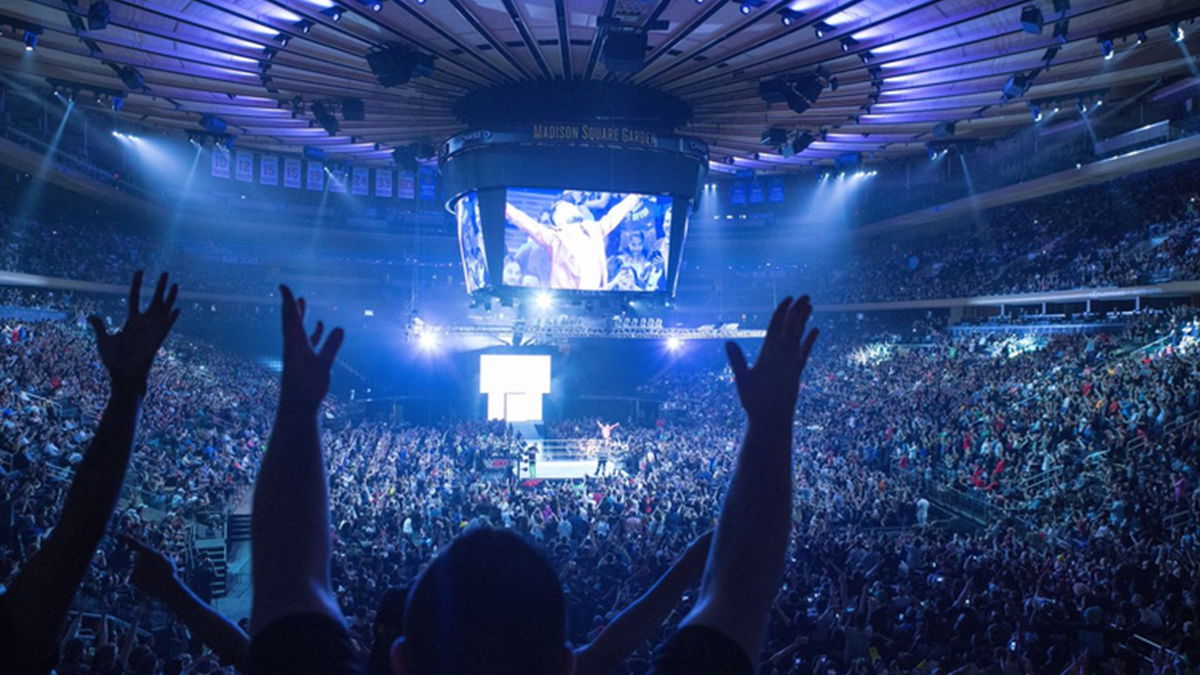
1031, 19
427, 341
1051, 52
821, 29
1080, 106
746, 8
866, 57
98, 15
1106, 48
132, 77
1099, 102
788, 16
304, 26
395, 64
1177, 33
1061, 27
1036, 112
674, 344
325, 117
848, 43
118, 102
334, 13
833, 84
1062, 6
213, 124
376, 6
543, 300
1141, 37
30, 40
283, 39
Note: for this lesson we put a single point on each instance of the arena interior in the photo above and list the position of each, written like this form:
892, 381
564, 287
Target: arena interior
454, 337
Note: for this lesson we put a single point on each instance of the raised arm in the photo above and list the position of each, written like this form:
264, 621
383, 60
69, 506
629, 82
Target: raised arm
290, 531
746, 563
155, 575
616, 214
637, 623
38, 599
536, 231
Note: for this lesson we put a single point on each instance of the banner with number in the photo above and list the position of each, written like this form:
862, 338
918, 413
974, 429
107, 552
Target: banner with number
361, 181
383, 182
406, 185
316, 176
220, 163
291, 172
427, 182
244, 166
268, 169
337, 180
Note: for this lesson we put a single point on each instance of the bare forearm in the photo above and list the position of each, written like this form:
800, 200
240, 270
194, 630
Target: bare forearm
748, 549
633, 626
225, 638
290, 525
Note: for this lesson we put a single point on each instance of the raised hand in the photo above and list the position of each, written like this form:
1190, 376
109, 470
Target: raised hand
768, 391
129, 353
305, 367
153, 573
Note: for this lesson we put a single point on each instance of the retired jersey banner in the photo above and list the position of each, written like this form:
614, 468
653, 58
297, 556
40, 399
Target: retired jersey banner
244, 166
406, 185
291, 172
316, 176
268, 169
383, 182
220, 163
361, 181
337, 180
427, 183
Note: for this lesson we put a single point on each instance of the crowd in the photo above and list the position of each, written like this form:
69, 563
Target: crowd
1082, 450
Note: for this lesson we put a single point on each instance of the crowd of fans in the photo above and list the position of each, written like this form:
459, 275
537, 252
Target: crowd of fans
1081, 451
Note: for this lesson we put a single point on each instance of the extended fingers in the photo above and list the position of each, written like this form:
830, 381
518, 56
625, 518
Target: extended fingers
330, 349
797, 317
98, 327
737, 359
777, 319
316, 334
135, 293
807, 345
171, 295
159, 289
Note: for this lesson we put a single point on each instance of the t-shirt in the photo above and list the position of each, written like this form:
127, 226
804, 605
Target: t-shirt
304, 643
700, 650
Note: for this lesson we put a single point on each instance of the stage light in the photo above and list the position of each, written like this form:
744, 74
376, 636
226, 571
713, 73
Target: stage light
1141, 37
213, 124
98, 15
788, 16
132, 78
283, 38
1032, 19
30, 40
746, 8
118, 102
1036, 112
304, 26
396, 64
833, 84
427, 341
866, 56
848, 43
1061, 28
334, 13
821, 28
376, 6
325, 118
1061, 6
1177, 33
1080, 106
1106, 48
543, 300
674, 344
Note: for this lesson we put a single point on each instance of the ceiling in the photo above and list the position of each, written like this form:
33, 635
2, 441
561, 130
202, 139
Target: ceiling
939, 61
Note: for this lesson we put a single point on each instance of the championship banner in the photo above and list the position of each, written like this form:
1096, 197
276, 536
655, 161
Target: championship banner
737, 195
406, 185
383, 182
337, 181
316, 176
244, 166
360, 181
775, 190
427, 183
291, 172
757, 196
220, 163
268, 169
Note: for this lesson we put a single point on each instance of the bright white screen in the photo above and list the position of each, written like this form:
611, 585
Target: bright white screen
514, 384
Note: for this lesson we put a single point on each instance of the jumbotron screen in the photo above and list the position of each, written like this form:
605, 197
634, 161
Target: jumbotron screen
580, 240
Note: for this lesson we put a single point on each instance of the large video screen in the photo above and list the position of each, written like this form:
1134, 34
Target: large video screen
470, 242
585, 240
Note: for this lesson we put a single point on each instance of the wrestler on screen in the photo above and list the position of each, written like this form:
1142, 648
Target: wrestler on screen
576, 243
